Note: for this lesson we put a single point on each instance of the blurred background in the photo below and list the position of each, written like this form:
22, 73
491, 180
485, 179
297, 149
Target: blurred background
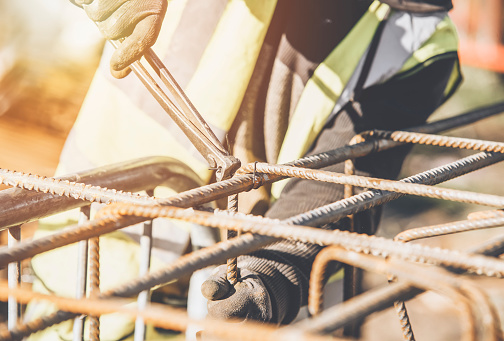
49, 51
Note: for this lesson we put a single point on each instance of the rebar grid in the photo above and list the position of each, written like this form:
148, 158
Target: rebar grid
109, 223
131, 208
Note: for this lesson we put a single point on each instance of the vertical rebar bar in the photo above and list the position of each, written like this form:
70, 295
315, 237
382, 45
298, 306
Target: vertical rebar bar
352, 280
82, 260
144, 266
232, 263
94, 285
14, 279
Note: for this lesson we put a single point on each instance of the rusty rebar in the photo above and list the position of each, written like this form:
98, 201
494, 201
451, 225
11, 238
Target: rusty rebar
19, 206
379, 299
143, 269
162, 316
306, 234
459, 289
448, 228
94, 285
122, 176
69, 189
368, 199
243, 182
384, 185
404, 320
432, 231
485, 214
438, 140
232, 263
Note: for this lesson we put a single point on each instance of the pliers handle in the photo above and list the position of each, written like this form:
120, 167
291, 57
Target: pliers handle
185, 115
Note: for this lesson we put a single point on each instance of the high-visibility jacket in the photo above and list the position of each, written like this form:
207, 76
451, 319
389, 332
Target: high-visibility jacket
214, 59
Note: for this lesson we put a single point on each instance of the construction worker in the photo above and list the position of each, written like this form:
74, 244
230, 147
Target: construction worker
282, 79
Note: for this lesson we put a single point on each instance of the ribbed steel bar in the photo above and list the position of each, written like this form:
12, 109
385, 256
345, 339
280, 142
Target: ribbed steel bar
455, 287
448, 228
404, 320
232, 263
67, 188
352, 280
306, 234
18, 206
438, 140
247, 243
243, 184
368, 199
149, 172
485, 214
363, 148
94, 285
383, 184
432, 231
165, 317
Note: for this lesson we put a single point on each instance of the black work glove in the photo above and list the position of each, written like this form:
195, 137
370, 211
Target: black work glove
248, 299
138, 22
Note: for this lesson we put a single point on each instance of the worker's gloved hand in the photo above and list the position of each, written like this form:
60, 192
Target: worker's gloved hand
246, 300
138, 22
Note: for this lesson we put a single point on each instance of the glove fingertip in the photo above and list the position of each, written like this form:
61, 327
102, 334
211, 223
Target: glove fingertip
121, 73
215, 289
124, 56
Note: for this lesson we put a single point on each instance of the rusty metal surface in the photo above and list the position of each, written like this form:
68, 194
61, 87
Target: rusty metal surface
232, 263
165, 317
21, 206
412, 268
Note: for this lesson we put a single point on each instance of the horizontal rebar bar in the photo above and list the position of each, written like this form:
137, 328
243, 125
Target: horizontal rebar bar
383, 184
18, 206
439, 140
368, 199
448, 228
162, 316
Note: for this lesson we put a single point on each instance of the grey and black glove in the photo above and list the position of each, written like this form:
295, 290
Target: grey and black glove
270, 287
246, 300
137, 22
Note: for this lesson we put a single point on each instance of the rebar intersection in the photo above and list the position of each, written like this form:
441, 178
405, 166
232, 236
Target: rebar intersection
412, 268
